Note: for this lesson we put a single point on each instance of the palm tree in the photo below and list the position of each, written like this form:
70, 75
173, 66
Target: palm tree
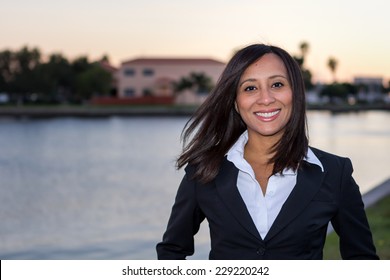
332, 64
202, 82
304, 47
198, 82
183, 84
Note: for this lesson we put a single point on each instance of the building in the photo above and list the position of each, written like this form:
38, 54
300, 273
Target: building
370, 89
156, 77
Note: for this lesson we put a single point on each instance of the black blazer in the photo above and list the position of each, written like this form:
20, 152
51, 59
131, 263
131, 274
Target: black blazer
299, 230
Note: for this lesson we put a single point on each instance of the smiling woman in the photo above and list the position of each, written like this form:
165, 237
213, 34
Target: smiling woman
264, 102
264, 98
250, 172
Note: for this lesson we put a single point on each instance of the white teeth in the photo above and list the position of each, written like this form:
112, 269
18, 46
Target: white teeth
268, 114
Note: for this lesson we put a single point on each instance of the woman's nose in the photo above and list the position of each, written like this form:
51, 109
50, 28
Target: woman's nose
265, 97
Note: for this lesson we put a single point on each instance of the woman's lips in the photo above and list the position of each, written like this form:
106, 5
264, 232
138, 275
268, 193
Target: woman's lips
269, 115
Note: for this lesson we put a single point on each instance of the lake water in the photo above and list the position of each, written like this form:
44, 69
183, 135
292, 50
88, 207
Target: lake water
74, 188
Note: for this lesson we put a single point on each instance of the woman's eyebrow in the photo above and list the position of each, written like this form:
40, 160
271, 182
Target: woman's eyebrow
277, 76
247, 80
270, 77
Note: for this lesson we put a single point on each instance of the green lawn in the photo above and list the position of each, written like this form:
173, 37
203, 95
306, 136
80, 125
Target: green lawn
379, 218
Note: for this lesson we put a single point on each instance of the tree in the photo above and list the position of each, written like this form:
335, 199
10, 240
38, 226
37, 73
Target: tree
90, 79
95, 81
80, 65
23, 67
307, 76
183, 84
57, 79
197, 82
27, 59
332, 64
201, 82
304, 47
23, 75
6, 77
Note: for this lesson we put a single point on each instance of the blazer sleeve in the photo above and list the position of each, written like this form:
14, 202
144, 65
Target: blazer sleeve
350, 223
183, 224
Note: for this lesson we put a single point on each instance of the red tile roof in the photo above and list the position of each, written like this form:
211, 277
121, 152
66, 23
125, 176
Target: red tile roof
106, 65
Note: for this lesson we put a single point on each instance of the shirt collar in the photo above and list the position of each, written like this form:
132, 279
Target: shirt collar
236, 153
313, 159
238, 147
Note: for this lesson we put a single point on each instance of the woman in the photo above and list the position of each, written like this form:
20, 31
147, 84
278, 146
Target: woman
250, 172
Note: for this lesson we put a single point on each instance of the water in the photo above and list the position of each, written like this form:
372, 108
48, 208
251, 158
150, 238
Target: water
103, 188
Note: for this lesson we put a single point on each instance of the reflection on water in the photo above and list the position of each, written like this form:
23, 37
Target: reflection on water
363, 137
103, 188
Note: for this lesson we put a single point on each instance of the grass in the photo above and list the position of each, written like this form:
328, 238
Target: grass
378, 216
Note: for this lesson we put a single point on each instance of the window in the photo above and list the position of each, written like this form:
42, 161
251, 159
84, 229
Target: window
129, 92
129, 72
148, 72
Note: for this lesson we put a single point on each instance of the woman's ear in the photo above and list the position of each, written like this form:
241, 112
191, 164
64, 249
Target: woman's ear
236, 107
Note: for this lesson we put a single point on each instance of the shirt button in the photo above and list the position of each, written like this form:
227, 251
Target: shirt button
260, 251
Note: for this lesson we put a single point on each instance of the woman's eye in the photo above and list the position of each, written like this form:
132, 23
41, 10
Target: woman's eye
277, 85
250, 88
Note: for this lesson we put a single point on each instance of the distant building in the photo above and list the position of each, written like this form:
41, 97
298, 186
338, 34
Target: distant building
369, 88
156, 76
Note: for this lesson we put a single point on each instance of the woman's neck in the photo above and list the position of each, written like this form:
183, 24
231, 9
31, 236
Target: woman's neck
261, 146
258, 153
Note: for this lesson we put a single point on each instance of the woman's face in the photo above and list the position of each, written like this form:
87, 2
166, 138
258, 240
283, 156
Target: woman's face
264, 97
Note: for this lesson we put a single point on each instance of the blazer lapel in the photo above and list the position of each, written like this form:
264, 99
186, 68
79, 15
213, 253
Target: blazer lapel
309, 181
226, 184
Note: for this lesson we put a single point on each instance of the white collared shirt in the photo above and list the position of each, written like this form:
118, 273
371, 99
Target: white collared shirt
263, 208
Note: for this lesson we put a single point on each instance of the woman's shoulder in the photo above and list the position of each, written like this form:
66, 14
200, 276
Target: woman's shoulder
328, 158
322, 153
224, 167
190, 169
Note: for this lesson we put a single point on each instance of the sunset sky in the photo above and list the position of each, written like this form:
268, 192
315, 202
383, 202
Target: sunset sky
355, 32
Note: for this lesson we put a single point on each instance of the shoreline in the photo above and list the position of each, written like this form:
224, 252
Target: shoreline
93, 111
147, 110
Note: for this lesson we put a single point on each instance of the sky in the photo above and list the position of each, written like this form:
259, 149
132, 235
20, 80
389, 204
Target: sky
355, 32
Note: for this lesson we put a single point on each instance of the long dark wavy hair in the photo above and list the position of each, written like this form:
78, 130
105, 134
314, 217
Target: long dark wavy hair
216, 125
